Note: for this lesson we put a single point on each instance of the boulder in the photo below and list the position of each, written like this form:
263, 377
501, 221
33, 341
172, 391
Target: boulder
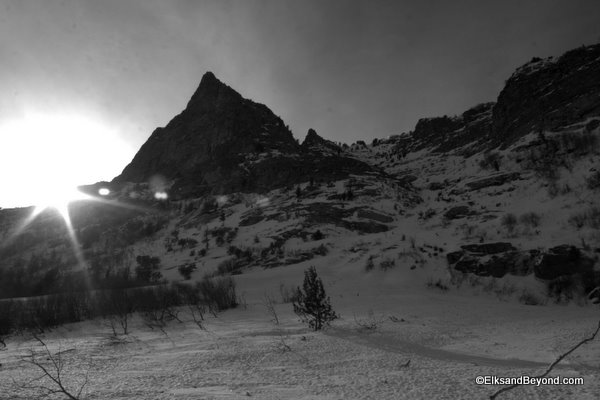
488, 248
368, 214
454, 256
458, 212
563, 260
496, 180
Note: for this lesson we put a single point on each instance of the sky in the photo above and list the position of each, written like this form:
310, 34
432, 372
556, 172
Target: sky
350, 70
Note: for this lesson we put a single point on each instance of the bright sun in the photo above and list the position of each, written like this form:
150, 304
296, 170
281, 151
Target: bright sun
43, 158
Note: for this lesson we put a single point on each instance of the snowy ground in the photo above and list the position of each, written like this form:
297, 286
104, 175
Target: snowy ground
449, 337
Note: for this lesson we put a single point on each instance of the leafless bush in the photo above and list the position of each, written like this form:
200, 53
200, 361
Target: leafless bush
509, 222
159, 306
417, 257
269, 303
593, 181
218, 293
197, 312
370, 323
282, 342
117, 307
530, 219
543, 162
230, 266
529, 298
191, 297
491, 160
578, 143
53, 378
370, 264
565, 288
387, 263
437, 284
289, 294
7, 321
589, 217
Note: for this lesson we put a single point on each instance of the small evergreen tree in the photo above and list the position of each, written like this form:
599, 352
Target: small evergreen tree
312, 304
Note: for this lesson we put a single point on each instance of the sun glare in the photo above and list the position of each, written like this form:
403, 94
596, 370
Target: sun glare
43, 158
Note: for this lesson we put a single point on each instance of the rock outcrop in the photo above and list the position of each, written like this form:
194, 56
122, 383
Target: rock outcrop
315, 143
499, 259
542, 95
471, 130
548, 94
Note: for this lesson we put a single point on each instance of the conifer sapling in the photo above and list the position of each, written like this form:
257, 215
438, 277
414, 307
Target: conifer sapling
312, 304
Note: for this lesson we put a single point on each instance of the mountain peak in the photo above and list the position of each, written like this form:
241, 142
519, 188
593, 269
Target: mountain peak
208, 76
209, 92
209, 80
313, 141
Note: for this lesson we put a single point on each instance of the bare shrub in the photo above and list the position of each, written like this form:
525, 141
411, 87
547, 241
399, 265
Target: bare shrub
230, 266
564, 288
269, 303
321, 250
370, 323
491, 160
589, 217
218, 293
117, 306
530, 219
288, 293
437, 284
593, 181
158, 305
578, 143
148, 269
529, 298
191, 297
7, 320
53, 374
370, 264
509, 222
186, 270
387, 263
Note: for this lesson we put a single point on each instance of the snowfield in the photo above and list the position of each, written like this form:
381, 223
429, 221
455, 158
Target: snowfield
394, 340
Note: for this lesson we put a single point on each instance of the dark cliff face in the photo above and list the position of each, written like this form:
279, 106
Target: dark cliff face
542, 95
223, 143
470, 130
549, 94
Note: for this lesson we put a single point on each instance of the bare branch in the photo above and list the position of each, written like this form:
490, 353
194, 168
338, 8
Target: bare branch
269, 303
51, 381
559, 359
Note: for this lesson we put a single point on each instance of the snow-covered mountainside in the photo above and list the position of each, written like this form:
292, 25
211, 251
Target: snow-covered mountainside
435, 245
